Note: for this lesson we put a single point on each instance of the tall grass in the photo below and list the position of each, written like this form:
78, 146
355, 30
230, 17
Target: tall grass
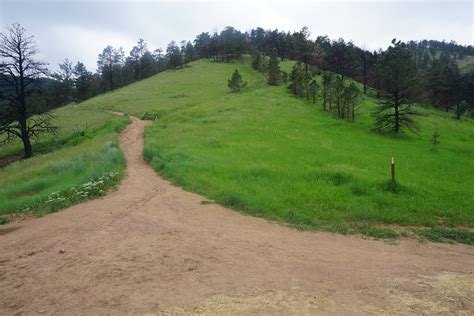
26, 186
269, 154
73, 121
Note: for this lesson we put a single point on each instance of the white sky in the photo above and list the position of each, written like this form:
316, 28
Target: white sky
80, 29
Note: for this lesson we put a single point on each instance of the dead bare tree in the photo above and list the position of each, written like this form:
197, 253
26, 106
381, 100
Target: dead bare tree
19, 115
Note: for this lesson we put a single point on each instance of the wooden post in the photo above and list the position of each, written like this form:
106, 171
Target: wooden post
393, 169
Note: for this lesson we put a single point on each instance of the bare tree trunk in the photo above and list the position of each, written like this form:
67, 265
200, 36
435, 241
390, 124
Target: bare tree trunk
25, 138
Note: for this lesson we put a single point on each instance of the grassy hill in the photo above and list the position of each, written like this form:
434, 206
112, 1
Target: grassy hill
269, 154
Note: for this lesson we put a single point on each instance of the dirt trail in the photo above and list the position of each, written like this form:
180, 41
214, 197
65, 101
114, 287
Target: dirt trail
150, 247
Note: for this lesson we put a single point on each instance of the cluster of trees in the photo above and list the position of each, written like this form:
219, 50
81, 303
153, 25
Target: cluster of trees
439, 80
115, 69
339, 95
269, 66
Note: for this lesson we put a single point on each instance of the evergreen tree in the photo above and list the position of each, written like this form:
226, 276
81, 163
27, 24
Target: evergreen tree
258, 62
235, 83
313, 87
273, 76
173, 53
398, 74
461, 107
337, 92
297, 78
135, 59
109, 63
327, 83
63, 89
83, 82
439, 84
188, 52
351, 98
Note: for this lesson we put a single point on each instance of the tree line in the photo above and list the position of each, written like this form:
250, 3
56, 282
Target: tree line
440, 82
26, 94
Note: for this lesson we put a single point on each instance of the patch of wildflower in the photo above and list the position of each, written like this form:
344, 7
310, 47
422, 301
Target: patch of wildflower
93, 188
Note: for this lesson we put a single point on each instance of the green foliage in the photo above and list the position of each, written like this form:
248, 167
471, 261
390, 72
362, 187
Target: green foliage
313, 89
327, 80
259, 63
4, 220
268, 154
442, 234
34, 182
350, 100
273, 75
461, 108
398, 73
435, 138
379, 233
344, 95
97, 186
235, 83
442, 83
75, 125
299, 80
175, 59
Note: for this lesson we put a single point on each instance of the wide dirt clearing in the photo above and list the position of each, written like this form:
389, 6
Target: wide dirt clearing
150, 247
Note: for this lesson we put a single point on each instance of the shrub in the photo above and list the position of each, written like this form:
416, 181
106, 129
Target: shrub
236, 83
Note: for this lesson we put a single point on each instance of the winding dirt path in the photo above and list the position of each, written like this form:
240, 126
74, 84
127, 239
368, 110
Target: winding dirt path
150, 247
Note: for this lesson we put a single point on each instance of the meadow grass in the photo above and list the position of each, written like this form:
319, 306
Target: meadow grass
66, 176
269, 154
72, 122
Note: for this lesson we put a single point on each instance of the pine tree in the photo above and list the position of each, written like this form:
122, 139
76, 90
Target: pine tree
327, 82
273, 76
351, 98
461, 107
297, 78
438, 84
398, 74
235, 83
313, 87
256, 61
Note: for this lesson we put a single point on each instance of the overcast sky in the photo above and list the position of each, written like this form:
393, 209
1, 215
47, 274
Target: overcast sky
80, 29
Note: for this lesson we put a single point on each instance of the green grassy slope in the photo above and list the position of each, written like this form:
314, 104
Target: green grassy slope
267, 153
70, 120
56, 179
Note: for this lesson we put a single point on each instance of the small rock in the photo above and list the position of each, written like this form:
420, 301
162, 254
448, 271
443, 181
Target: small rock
61, 251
